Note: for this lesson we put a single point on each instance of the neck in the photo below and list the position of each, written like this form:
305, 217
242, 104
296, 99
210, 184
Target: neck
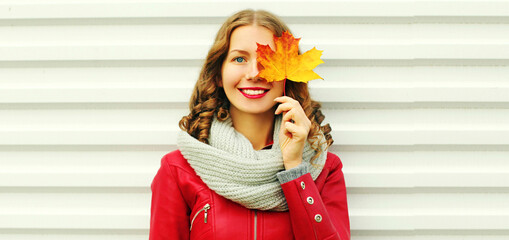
257, 128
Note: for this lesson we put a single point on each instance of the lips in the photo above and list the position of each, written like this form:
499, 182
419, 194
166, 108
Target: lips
253, 92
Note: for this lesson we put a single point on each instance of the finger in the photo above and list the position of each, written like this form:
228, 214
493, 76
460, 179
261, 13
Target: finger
287, 104
290, 117
297, 115
287, 100
295, 131
290, 127
284, 99
284, 131
284, 107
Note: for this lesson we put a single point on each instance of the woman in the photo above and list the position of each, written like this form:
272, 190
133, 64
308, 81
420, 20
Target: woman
252, 163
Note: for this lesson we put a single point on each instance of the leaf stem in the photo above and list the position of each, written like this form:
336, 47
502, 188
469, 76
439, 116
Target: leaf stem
284, 87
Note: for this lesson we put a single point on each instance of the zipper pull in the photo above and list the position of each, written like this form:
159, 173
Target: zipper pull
207, 207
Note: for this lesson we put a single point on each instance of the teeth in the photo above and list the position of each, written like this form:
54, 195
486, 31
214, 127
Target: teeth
252, 92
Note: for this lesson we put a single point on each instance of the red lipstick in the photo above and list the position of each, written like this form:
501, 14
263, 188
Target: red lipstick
265, 91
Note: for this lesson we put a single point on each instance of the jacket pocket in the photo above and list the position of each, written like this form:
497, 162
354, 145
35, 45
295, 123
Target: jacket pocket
203, 211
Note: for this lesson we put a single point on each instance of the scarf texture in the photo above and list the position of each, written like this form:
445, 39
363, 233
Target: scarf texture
233, 169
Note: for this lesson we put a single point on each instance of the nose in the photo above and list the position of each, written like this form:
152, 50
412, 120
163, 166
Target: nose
253, 70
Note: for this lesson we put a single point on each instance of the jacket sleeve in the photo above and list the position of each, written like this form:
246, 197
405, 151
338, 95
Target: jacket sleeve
169, 218
315, 215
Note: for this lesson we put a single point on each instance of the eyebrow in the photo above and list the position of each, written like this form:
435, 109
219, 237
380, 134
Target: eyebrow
240, 50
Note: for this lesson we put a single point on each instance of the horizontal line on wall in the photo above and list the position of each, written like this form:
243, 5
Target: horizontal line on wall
169, 20
100, 105
196, 51
431, 232
73, 190
411, 222
354, 232
463, 221
288, 19
462, 179
69, 231
133, 179
459, 20
410, 233
325, 105
421, 147
181, 95
198, 63
461, 62
415, 62
350, 190
410, 138
138, 223
423, 190
463, 232
194, 9
418, 139
101, 63
75, 221
409, 105
76, 179
417, 180
465, 8
87, 147
334, 148
119, 21
201, 9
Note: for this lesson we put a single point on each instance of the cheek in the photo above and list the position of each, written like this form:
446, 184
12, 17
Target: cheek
279, 86
230, 75
225, 77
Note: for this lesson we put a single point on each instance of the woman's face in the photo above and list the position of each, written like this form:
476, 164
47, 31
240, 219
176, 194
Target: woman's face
246, 93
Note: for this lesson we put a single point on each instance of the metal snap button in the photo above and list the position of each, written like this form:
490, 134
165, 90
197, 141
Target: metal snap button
318, 218
310, 200
303, 185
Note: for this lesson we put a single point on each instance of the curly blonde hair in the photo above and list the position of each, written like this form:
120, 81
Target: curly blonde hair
209, 99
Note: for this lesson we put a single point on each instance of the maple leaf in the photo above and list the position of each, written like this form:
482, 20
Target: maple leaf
285, 62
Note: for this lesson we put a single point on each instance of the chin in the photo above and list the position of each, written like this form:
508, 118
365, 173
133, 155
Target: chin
255, 109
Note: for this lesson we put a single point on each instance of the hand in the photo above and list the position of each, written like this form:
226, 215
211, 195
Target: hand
294, 130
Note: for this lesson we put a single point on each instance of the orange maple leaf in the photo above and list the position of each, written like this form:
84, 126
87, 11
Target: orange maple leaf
285, 62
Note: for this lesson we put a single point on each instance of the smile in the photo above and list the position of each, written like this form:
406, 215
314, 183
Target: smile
253, 92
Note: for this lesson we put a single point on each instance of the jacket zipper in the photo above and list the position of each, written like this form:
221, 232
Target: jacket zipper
205, 208
255, 225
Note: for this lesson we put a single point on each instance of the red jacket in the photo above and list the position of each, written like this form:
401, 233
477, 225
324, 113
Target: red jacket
183, 207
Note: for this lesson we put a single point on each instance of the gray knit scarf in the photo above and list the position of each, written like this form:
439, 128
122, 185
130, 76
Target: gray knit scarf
233, 169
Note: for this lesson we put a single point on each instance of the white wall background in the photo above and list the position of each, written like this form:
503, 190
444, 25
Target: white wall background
417, 94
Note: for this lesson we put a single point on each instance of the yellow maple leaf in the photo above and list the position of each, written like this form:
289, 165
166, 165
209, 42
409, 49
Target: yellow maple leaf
285, 62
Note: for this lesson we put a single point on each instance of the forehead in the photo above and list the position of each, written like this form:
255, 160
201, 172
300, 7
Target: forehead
246, 37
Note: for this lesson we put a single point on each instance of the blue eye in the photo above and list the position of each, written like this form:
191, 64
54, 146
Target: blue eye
239, 59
